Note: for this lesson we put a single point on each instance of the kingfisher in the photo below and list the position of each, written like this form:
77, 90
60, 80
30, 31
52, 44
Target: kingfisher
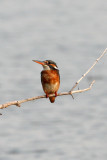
50, 78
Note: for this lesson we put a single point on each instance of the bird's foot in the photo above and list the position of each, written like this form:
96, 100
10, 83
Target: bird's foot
47, 95
55, 94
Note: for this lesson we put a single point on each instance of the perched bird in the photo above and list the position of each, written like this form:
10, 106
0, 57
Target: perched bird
50, 78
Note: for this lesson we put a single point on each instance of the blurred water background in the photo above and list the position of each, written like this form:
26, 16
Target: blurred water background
73, 34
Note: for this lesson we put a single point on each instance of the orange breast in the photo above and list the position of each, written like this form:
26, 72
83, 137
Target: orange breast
50, 80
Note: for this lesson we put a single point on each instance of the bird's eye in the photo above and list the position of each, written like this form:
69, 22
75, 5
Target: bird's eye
47, 62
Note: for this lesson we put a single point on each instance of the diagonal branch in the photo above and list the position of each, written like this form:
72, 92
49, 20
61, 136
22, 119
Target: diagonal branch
18, 103
88, 70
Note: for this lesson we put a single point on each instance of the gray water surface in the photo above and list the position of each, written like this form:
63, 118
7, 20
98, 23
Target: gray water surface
73, 34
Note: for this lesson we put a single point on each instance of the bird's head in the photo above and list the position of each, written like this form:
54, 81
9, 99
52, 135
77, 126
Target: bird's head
47, 64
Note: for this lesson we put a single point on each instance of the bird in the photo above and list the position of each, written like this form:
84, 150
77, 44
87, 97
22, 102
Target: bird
50, 78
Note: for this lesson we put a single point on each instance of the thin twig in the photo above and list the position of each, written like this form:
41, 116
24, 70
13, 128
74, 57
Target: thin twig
88, 70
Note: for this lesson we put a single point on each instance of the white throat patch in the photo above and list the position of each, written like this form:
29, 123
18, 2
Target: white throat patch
46, 67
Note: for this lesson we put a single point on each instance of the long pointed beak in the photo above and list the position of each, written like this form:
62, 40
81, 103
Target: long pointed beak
40, 62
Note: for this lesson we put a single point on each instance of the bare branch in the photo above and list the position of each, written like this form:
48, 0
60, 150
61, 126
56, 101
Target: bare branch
18, 103
89, 69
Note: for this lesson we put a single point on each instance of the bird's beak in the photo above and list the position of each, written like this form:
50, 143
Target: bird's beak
40, 62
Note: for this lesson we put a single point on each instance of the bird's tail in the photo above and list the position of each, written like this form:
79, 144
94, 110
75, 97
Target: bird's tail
52, 99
